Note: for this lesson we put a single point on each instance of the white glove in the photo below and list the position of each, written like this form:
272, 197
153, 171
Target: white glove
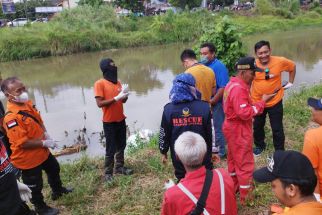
288, 85
317, 197
47, 137
49, 143
121, 95
168, 184
25, 192
125, 88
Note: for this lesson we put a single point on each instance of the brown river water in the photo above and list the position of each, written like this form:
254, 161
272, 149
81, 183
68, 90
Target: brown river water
62, 87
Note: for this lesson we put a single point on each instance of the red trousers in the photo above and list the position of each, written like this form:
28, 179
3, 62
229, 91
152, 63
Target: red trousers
240, 157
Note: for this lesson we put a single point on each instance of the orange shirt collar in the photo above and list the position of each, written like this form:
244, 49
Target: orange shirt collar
13, 107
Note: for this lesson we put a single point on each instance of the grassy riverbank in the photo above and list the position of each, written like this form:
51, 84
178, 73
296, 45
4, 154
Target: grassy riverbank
90, 29
142, 192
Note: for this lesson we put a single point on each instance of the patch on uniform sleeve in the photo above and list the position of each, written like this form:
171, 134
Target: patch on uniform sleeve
12, 123
242, 105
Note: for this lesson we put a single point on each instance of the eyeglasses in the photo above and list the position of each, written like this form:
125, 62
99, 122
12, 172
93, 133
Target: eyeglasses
266, 73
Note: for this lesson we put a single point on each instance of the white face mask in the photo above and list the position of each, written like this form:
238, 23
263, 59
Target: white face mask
22, 98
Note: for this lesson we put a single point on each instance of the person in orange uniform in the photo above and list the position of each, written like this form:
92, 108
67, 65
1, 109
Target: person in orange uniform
269, 82
204, 76
312, 147
292, 180
110, 96
29, 142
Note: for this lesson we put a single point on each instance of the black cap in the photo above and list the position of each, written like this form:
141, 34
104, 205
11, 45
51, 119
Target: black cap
315, 103
286, 165
246, 63
106, 63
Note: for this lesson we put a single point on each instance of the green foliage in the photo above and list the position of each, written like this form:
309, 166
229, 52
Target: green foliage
2, 16
227, 41
286, 9
264, 7
138, 144
87, 28
183, 3
318, 10
315, 4
83, 175
93, 3
22, 45
314, 14
134, 6
172, 27
294, 6
284, 13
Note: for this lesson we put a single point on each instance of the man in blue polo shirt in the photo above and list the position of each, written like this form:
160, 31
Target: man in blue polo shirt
208, 58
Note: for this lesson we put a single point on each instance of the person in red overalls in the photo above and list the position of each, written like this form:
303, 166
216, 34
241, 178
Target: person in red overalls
237, 128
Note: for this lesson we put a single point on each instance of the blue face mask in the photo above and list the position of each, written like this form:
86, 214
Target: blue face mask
203, 60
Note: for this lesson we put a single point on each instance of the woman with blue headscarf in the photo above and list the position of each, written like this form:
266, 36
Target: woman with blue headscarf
184, 89
185, 112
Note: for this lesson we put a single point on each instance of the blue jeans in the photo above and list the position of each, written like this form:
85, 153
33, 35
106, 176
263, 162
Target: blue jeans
219, 117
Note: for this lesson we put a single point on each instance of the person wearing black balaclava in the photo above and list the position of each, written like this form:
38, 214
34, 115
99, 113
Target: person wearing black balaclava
110, 95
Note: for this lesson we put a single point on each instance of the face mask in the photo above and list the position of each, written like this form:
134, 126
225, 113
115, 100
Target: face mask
203, 60
2, 96
111, 74
22, 98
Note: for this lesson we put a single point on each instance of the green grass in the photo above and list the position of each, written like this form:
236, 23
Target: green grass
142, 192
86, 29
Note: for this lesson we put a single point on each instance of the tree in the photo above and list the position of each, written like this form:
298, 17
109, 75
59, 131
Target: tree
93, 3
1, 14
134, 6
222, 2
218, 2
183, 3
225, 37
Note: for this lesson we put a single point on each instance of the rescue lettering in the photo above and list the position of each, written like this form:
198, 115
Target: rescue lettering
192, 120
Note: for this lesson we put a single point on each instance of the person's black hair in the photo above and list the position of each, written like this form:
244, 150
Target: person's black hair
188, 54
5, 83
210, 46
306, 187
260, 44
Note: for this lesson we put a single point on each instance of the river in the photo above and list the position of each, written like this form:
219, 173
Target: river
62, 87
